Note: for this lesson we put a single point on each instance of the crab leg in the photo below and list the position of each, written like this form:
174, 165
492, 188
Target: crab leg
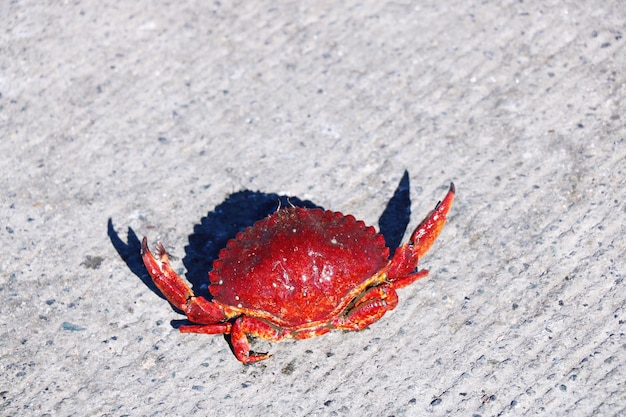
215, 328
177, 292
409, 279
239, 331
244, 326
369, 309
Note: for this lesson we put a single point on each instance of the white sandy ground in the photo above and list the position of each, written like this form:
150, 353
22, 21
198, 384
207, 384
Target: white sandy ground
137, 118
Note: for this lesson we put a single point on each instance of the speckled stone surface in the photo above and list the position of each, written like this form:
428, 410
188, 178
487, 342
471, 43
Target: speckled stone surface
182, 120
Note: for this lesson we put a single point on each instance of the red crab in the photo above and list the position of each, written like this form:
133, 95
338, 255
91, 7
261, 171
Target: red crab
298, 273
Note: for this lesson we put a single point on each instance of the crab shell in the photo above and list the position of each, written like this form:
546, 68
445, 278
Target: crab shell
298, 266
298, 273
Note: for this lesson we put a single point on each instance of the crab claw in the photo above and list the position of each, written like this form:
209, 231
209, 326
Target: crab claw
164, 277
427, 232
179, 294
404, 263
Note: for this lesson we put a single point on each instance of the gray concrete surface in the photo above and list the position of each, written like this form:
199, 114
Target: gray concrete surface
131, 118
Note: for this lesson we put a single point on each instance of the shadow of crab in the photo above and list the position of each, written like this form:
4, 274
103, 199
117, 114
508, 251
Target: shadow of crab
237, 212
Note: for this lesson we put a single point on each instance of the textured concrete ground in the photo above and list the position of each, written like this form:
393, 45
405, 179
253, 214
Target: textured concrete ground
184, 120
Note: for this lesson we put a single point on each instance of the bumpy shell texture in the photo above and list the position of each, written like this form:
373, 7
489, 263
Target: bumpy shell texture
297, 264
